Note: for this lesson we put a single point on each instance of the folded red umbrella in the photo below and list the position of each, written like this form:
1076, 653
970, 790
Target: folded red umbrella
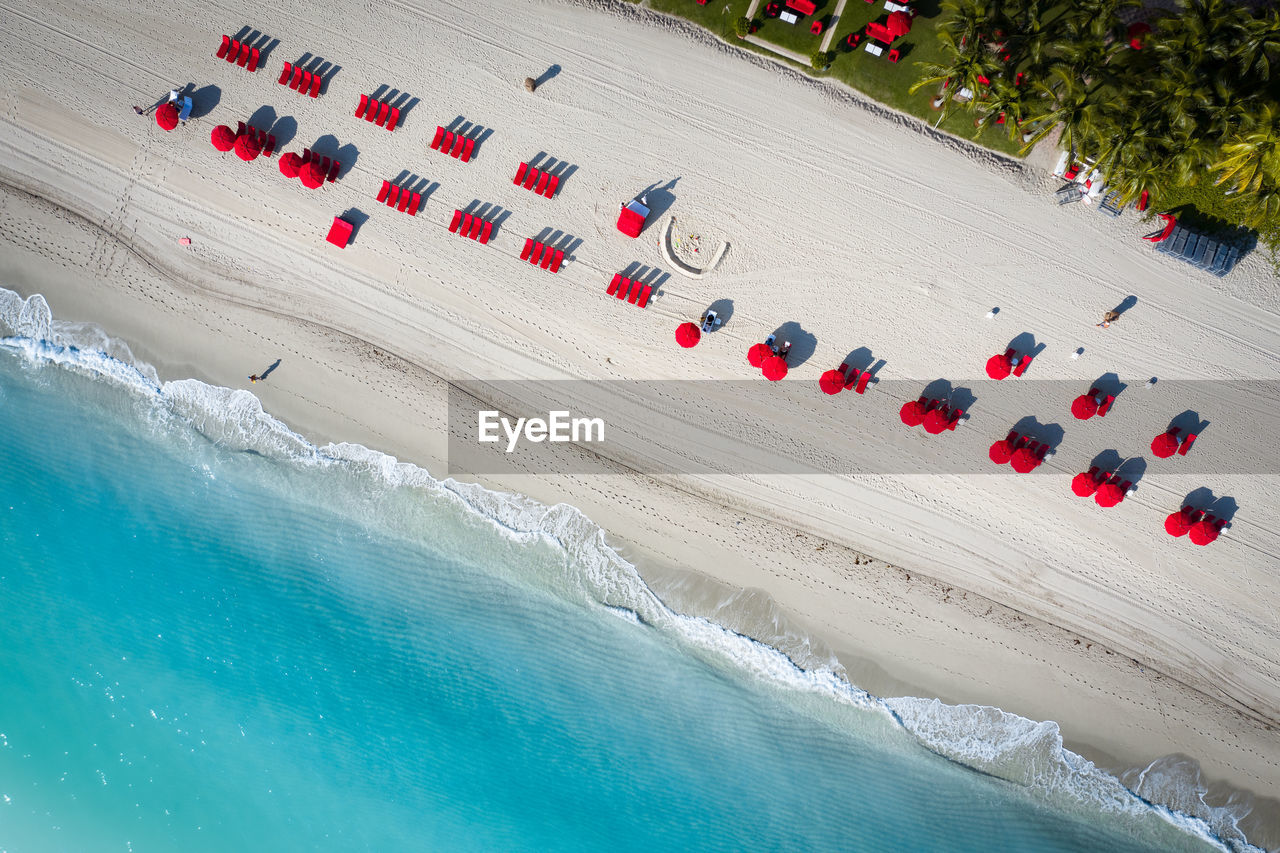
1203, 532
1024, 461
312, 176
1001, 452
167, 117
774, 367
1083, 485
247, 147
757, 354
1164, 445
998, 367
1177, 524
1084, 407
912, 413
223, 138
1109, 494
688, 335
831, 382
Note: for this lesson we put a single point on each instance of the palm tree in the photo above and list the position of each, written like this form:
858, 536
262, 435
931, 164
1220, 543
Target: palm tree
1253, 156
1259, 41
1001, 102
961, 69
1069, 102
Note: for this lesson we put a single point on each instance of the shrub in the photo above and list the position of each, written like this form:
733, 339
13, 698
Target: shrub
741, 27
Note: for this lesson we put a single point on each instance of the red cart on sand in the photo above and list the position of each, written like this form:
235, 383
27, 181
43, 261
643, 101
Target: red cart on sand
632, 216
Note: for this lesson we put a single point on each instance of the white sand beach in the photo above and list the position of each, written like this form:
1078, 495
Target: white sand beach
861, 225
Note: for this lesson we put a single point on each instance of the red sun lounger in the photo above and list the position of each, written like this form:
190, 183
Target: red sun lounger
863, 379
226, 45
254, 56
296, 80
364, 102
393, 197
488, 230
382, 114
316, 80
528, 247
467, 148
340, 232
957, 415
626, 286
243, 58
1186, 444
284, 74
466, 224
457, 217
372, 112
644, 296
531, 178
542, 183
333, 171
305, 83
458, 141
557, 260
1106, 405
538, 249
435, 142
240, 128
613, 285
520, 173
234, 52
404, 201
547, 255
1022, 366
395, 117
414, 204
476, 225
270, 148
551, 187
382, 193
446, 142
307, 156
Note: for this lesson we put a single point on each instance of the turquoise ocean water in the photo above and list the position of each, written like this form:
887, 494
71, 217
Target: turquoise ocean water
218, 637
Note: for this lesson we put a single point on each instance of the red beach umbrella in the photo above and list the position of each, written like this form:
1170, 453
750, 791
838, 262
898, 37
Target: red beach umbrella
167, 117
1083, 485
1024, 461
290, 165
687, 334
774, 367
312, 176
899, 23
935, 421
1109, 494
831, 382
1164, 445
1177, 524
1001, 452
912, 413
757, 354
247, 147
998, 367
223, 138
1084, 407
1203, 532
1137, 30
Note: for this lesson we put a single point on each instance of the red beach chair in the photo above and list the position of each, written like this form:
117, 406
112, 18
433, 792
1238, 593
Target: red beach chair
476, 224
372, 111
1186, 444
551, 187
270, 147
488, 230
305, 83
296, 80
226, 45
466, 224
458, 141
393, 197
467, 148
531, 178
626, 287
520, 173
447, 142
537, 253
240, 128
413, 204
635, 292
333, 171
364, 102
644, 294
863, 379
435, 143
386, 188
956, 416
559, 259
339, 232
254, 56
404, 201
1022, 366
316, 80
383, 109
1106, 405
613, 285
528, 247
894, 55
395, 117
234, 51
548, 253
542, 183
307, 156
243, 58
284, 74
457, 217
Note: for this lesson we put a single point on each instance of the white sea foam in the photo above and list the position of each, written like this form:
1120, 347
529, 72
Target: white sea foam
998, 743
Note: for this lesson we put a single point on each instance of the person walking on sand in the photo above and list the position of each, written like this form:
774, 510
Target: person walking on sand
254, 377
1107, 319
139, 110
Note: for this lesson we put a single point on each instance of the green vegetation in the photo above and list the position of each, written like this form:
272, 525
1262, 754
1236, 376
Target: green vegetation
1189, 116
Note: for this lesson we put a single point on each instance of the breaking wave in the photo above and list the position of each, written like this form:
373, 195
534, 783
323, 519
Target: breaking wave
987, 739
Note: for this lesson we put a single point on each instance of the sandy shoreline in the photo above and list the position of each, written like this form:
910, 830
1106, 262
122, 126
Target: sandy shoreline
1179, 652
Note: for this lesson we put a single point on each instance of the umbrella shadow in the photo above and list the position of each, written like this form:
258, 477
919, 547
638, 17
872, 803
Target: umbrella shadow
1025, 344
1108, 460
328, 146
546, 75
357, 218
285, 130
803, 344
1050, 434
859, 359
203, 100
1224, 507
263, 117
723, 309
1132, 469
658, 199
956, 397
1109, 383
1189, 422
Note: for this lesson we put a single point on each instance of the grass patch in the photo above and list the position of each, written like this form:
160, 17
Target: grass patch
711, 16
